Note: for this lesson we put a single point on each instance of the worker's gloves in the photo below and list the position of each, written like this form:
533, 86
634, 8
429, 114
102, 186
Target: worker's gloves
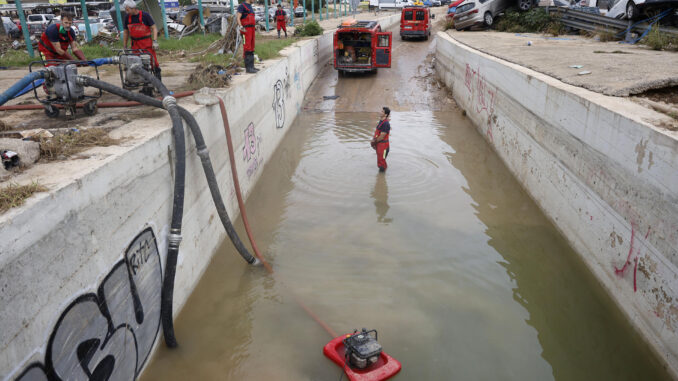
155, 44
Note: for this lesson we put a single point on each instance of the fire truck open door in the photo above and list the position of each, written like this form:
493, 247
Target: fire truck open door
383, 49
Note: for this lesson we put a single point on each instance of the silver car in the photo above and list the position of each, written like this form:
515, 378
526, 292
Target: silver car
479, 12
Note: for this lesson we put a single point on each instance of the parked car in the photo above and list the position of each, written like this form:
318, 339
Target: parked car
436, 3
428, 3
445, 2
299, 11
37, 23
11, 29
634, 9
479, 12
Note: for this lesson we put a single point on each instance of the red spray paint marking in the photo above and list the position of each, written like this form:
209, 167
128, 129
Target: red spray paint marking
635, 268
628, 258
635, 260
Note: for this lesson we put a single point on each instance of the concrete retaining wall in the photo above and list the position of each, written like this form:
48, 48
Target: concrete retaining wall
605, 176
81, 266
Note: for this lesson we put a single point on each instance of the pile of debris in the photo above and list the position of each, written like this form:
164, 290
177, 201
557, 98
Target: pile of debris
229, 43
212, 76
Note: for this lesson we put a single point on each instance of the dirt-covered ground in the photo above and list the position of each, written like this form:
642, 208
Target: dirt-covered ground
615, 68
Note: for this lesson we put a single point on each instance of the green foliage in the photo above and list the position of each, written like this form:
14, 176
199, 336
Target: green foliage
657, 40
195, 41
15, 58
267, 49
449, 24
535, 20
311, 28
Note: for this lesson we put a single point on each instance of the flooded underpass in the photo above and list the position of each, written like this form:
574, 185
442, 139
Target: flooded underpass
444, 254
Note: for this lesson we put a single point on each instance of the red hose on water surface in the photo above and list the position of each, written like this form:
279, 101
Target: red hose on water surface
241, 205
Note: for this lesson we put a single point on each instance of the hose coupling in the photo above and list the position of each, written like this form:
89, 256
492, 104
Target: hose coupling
204, 153
174, 239
82, 80
169, 101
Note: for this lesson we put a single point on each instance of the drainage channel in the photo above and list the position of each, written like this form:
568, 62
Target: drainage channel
444, 254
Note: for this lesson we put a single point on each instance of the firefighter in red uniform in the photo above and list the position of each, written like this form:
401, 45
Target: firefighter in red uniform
56, 39
380, 139
140, 28
281, 20
245, 17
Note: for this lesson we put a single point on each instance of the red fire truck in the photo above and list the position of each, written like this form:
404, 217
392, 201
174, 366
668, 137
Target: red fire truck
415, 22
361, 46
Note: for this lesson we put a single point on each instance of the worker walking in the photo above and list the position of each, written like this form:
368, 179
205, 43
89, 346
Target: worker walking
380, 140
281, 20
140, 28
245, 17
56, 39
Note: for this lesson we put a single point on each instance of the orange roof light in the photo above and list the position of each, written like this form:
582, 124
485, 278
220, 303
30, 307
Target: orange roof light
349, 22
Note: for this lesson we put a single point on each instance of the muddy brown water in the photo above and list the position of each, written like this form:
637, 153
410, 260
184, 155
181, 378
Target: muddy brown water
445, 255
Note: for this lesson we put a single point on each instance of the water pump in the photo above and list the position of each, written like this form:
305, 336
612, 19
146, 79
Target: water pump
362, 349
63, 89
127, 58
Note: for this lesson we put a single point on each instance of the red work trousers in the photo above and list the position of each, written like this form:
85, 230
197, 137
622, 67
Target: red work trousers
248, 46
382, 152
281, 25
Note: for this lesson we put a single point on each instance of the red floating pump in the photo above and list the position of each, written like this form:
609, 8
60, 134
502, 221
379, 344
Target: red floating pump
361, 356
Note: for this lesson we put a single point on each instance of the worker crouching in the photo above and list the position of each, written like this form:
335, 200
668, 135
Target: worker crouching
139, 27
245, 17
56, 39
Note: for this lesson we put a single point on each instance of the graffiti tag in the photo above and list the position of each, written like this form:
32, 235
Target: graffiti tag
251, 152
109, 334
279, 103
482, 96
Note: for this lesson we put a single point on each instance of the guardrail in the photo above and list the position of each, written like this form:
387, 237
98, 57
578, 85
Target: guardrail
590, 21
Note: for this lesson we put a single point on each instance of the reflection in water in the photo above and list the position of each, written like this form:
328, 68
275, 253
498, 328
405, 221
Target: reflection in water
461, 274
380, 196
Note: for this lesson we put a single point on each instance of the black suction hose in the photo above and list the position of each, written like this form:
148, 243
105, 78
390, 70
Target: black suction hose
202, 152
174, 239
168, 282
207, 168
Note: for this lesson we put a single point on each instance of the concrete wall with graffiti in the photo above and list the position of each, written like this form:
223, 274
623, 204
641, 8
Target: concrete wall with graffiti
604, 176
81, 266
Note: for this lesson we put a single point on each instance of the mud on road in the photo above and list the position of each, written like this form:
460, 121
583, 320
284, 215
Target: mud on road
409, 85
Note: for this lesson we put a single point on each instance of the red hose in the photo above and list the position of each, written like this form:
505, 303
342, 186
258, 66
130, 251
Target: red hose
100, 105
241, 205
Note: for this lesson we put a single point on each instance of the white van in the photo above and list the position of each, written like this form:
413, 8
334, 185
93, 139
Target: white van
390, 4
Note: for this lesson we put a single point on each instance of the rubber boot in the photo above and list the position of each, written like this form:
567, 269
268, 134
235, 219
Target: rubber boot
279, 33
285, 33
254, 69
157, 73
249, 63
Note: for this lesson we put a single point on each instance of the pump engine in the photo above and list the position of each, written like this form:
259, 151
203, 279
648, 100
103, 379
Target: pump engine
63, 89
131, 80
362, 348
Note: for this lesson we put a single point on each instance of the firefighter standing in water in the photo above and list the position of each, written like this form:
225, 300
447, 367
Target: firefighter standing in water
245, 17
380, 139
56, 39
140, 28
281, 20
